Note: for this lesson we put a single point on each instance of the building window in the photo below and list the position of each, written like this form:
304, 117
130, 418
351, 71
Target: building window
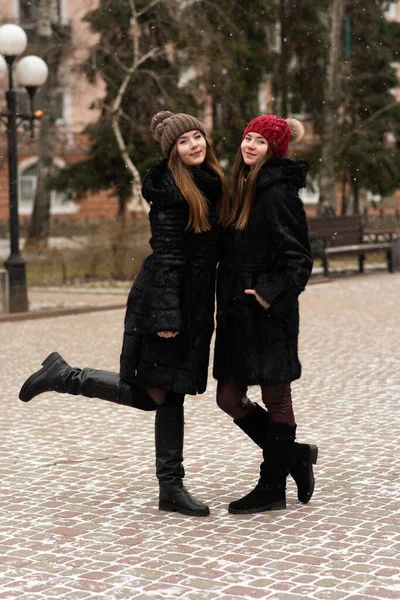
27, 11
60, 201
28, 15
391, 11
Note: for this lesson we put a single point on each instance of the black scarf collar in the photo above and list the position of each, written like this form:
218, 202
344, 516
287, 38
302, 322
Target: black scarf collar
160, 188
207, 181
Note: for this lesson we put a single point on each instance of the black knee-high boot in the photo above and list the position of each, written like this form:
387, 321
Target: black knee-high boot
174, 497
58, 376
301, 461
270, 491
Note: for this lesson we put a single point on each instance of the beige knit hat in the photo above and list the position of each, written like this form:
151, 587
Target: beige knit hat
167, 127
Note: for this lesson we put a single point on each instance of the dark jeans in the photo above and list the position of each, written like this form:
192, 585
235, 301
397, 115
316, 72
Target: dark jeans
232, 399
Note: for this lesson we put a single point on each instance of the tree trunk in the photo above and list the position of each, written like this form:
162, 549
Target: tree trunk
51, 50
330, 113
284, 58
356, 196
345, 195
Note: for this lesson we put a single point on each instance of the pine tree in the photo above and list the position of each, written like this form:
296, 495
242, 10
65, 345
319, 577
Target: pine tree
227, 44
138, 61
370, 111
299, 74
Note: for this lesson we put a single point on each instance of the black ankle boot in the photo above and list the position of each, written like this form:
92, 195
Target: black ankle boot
58, 376
46, 379
301, 469
174, 497
302, 460
270, 491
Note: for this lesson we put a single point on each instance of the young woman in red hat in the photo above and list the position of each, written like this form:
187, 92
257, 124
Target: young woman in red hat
265, 266
170, 310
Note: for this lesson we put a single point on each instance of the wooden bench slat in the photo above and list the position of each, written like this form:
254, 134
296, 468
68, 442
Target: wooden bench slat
346, 235
358, 248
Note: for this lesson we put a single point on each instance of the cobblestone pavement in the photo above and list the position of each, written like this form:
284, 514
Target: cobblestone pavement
70, 297
78, 515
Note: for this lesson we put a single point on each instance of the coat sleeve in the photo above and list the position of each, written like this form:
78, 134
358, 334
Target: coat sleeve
169, 264
292, 261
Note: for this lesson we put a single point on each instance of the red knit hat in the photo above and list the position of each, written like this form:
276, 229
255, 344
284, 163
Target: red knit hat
275, 130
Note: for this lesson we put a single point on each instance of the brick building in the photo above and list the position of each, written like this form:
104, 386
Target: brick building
75, 98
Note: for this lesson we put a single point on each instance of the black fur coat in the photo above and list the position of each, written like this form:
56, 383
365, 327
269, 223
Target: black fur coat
271, 255
174, 290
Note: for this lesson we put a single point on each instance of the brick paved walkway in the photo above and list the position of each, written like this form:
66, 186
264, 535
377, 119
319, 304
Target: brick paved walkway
78, 492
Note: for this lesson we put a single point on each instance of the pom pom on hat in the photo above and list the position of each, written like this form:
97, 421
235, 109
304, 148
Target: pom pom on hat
296, 130
158, 123
167, 127
277, 131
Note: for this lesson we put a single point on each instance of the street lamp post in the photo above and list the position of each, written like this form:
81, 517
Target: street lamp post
31, 71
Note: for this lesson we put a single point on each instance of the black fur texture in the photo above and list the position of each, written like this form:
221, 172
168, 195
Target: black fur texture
174, 290
271, 255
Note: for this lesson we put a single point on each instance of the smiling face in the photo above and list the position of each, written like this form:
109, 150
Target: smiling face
192, 147
254, 148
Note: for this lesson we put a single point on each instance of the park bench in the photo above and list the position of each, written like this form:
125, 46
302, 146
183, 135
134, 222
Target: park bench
346, 236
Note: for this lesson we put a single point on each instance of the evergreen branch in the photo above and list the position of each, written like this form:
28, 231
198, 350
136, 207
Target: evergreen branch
109, 80
115, 58
148, 7
370, 119
158, 80
222, 14
121, 112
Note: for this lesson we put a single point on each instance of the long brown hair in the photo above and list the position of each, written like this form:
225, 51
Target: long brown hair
244, 186
244, 181
198, 204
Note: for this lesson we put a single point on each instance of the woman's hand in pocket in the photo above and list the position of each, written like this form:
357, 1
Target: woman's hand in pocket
260, 300
167, 334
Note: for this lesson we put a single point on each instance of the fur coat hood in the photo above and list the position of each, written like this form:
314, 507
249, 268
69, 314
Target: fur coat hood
280, 171
160, 189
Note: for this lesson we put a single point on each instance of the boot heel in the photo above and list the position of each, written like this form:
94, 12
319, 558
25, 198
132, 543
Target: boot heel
167, 506
313, 454
51, 359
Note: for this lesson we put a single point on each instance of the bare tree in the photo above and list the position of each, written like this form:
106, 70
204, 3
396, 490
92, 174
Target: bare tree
330, 113
138, 204
52, 39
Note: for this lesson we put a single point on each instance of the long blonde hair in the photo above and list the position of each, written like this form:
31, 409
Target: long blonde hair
244, 181
198, 204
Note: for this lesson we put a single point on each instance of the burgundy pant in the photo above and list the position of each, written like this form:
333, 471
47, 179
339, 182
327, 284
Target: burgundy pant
232, 399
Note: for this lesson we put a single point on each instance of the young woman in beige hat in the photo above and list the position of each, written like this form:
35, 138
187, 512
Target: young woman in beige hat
170, 309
